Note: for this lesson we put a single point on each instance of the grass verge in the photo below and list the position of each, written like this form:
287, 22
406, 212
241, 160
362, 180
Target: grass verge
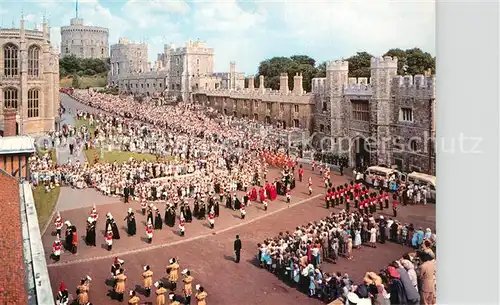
45, 202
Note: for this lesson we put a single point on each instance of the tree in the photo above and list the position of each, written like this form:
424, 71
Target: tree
76, 82
272, 69
359, 64
413, 61
321, 70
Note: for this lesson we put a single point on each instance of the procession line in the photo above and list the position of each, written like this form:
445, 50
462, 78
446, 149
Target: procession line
182, 241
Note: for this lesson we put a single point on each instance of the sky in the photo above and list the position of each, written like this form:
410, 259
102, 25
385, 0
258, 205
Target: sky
245, 31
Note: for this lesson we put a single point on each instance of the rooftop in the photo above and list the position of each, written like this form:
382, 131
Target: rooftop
13, 290
17, 145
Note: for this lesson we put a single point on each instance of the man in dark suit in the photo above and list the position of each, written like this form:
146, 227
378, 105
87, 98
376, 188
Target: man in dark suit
237, 248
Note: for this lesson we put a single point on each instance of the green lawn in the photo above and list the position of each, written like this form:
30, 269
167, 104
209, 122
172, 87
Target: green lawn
118, 156
85, 122
45, 203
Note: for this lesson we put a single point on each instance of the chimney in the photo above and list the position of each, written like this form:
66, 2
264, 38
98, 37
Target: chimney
251, 83
297, 84
284, 83
261, 83
9, 122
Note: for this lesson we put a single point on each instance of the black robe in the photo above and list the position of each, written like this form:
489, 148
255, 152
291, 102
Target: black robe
158, 221
203, 211
150, 217
196, 212
90, 237
188, 215
109, 222
114, 228
131, 225
68, 241
237, 203
216, 208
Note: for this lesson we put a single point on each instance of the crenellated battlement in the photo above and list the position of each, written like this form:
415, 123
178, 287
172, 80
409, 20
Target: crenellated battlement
417, 86
267, 95
337, 65
384, 62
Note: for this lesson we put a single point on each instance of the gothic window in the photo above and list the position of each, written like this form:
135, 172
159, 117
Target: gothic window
102, 51
360, 110
33, 61
256, 116
321, 128
10, 97
413, 145
324, 107
296, 108
296, 123
33, 103
406, 115
269, 106
11, 60
268, 120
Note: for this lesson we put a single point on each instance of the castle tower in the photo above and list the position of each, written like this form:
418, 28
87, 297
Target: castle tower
284, 83
251, 82
383, 70
336, 78
297, 84
232, 75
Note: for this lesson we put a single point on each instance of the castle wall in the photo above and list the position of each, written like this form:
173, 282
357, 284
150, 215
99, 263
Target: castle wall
127, 57
45, 81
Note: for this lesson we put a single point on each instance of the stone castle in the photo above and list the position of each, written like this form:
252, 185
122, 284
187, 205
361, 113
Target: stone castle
29, 80
386, 119
84, 41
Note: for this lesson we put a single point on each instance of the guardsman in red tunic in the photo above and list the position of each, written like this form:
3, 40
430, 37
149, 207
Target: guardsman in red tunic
310, 183
243, 211
211, 218
380, 199
109, 238
288, 196
58, 223
182, 223
395, 205
144, 205
149, 231
93, 214
56, 249
301, 173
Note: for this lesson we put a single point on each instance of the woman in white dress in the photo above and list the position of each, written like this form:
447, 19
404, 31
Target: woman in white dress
373, 236
357, 238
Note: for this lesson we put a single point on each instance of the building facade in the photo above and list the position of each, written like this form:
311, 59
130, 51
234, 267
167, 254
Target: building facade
84, 41
29, 80
127, 57
284, 108
179, 71
387, 119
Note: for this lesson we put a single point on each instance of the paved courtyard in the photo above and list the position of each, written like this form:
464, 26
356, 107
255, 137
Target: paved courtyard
208, 253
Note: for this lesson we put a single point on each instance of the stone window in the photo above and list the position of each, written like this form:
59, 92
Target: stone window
33, 103
11, 60
225, 111
360, 110
406, 115
269, 106
102, 51
268, 119
256, 116
10, 97
413, 145
296, 108
147, 85
296, 123
34, 61
324, 107
282, 107
159, 85
321, 127
198, 62
142, 85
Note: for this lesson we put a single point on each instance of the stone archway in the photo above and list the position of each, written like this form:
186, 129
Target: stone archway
360, 154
